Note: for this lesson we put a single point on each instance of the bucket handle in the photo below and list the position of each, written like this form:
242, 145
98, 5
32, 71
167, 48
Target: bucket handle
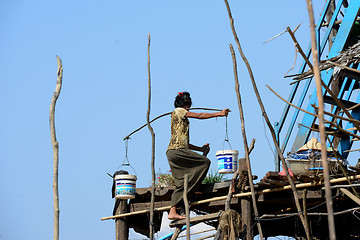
127, 163
226, 135
126, 160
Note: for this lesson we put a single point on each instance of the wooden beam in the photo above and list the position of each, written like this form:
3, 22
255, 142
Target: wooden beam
350, 195
134, 207
309, 214
196, 219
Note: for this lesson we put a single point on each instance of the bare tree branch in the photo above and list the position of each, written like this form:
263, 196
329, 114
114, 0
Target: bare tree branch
55, 146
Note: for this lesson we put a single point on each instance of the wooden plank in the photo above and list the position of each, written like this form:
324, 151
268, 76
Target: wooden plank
350, 195
196, 219
234, 201
277, 183
134, 207
276, 176
271, 174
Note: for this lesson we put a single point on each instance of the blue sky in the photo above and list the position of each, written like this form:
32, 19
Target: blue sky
103, 46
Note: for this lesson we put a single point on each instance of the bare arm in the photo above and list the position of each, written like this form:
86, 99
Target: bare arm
203, 115
200, 149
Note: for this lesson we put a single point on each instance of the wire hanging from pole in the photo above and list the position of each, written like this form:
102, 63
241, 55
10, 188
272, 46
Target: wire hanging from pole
126, 159
226, 134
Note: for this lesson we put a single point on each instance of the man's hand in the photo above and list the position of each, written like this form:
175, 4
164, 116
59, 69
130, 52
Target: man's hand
205, 149
224, 112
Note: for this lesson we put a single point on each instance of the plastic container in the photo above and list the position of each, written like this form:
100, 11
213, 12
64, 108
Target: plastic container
125, 186
227, 161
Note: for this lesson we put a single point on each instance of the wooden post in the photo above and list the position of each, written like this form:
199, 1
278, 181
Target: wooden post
236, 174
246, 218
152, 203
246, 148
246, 214
318, 81
121, 225
187, 208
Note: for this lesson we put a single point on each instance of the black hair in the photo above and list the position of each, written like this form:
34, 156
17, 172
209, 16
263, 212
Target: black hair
182, 99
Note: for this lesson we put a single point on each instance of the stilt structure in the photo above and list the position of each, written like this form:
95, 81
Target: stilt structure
339, 58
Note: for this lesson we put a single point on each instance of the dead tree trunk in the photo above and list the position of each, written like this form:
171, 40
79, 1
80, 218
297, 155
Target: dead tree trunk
55, 146
248, 165
152, 203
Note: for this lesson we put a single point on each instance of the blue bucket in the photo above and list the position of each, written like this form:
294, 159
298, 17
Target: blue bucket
227, 161
125, 186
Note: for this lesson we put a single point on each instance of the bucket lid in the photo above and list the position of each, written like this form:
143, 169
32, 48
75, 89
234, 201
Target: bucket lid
221, 152
123, 176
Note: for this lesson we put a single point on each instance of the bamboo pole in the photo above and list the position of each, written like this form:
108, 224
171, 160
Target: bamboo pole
305, 208
165, 114
238, 195
310, 214
319, 82
176, 233
204, 231
151, 223
187, 209
210, 236
296, 198
246, 148
55, 146
350, 195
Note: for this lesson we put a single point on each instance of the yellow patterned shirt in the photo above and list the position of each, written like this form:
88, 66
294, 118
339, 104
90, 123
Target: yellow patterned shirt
179, 129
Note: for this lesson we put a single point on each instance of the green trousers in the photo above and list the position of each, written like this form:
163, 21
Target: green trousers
184, 161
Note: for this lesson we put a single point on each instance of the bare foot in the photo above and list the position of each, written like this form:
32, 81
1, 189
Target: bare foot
175, 217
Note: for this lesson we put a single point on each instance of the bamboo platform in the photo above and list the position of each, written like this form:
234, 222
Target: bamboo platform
278, 214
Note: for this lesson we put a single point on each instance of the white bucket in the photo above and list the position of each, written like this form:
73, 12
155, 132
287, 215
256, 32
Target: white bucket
227, 161
125, 186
